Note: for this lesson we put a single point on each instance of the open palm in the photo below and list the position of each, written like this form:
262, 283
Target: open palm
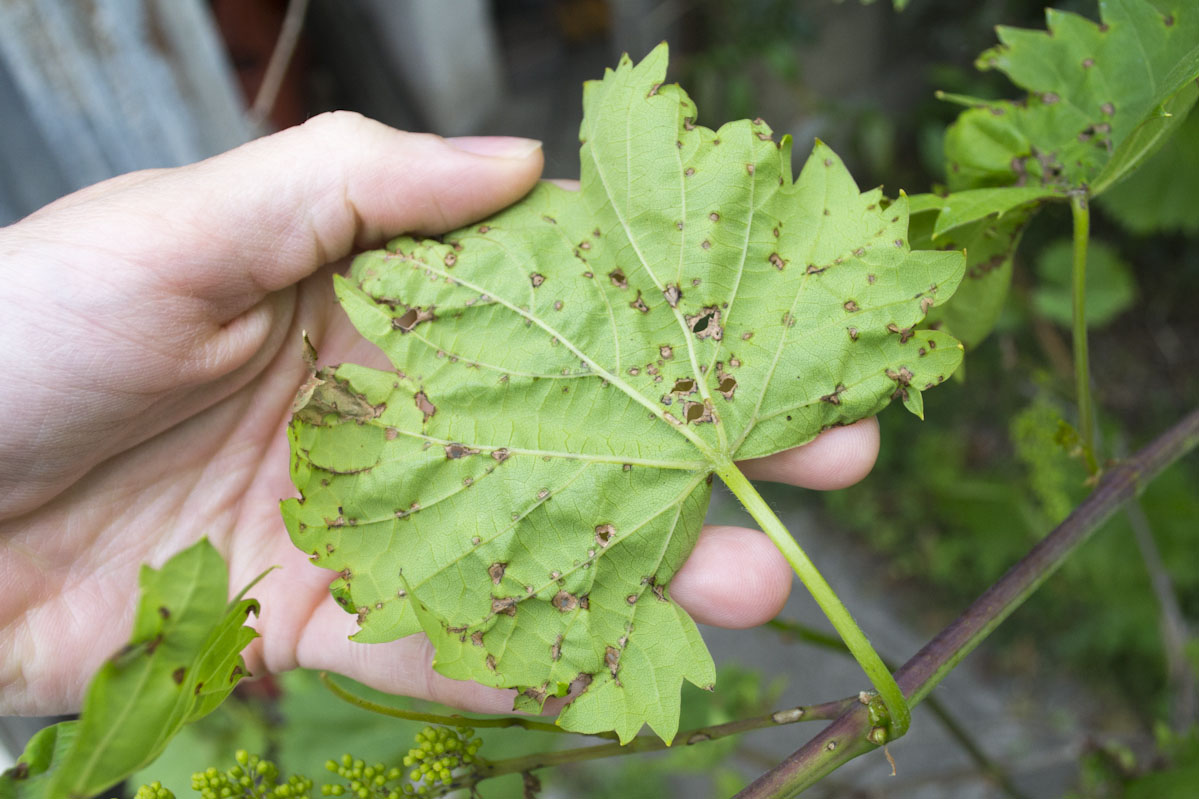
151, 349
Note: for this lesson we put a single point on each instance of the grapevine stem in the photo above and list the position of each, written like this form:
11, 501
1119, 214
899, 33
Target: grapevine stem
859, 646
1080, 209
845, 738
796, 631
652, 743
450, 721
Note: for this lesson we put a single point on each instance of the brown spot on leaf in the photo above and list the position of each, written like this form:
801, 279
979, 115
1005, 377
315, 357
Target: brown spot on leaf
639, 304
164, 612
684, 385
904, 333
565, 601
496, 572
411, 318
450, 259
612, 659
505, 605
585, 602
424, 406
728, 385
666, 352
672, 294
536, 279
631, 599
556, 649
715, 217
490, 661
476, 638
456, 451
178, 674
689, 171
777, 261
604, 533
851, 306
706, 323
834, 398
697, 412
618, 278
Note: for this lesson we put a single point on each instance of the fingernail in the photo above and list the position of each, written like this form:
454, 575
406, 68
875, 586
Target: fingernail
496, 146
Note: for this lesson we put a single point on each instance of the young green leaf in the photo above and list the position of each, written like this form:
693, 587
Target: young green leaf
181, 661
569, 374
1101, 97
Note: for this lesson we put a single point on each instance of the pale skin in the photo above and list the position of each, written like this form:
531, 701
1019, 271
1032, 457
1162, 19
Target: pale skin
150, 342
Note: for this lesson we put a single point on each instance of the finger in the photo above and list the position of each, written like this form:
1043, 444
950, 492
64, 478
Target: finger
271, 212
734, 578
837, 458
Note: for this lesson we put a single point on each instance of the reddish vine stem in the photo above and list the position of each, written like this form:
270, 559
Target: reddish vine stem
845, 738
652, 743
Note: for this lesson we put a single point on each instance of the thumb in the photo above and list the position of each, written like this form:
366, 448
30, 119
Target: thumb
269, 213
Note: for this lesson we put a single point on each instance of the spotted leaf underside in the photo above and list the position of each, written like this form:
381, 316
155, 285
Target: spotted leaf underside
568, 374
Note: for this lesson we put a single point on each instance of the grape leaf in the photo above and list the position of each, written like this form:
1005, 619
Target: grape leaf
569, 375
990, 245
183, 658
1162, 195
1101, 97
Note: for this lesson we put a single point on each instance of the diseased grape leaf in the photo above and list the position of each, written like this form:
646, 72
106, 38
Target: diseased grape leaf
990, 245
1101, 97
183, 658
569, 374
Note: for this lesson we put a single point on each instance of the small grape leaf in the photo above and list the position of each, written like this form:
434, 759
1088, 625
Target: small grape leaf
1101, 97
569, 374
990, 245
183, 658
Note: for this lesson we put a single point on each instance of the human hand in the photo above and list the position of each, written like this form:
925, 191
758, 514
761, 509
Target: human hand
151, 350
